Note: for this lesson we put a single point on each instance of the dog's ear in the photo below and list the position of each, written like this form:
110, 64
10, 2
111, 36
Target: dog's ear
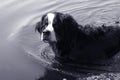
38, 27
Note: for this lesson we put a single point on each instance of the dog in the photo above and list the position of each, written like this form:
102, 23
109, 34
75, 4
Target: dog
72, 41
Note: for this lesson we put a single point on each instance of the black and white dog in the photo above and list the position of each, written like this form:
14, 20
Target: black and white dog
75, 42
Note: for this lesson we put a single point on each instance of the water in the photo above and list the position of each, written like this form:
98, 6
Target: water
20, 46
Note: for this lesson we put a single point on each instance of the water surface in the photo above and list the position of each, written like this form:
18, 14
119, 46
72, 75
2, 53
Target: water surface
20, 46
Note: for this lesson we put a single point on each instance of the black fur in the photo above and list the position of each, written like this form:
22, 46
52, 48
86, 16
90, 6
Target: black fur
82, 43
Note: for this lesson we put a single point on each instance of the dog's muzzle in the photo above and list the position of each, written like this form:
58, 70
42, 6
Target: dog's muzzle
46, 36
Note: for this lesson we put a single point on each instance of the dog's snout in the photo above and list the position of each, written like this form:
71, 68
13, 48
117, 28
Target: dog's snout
46, 32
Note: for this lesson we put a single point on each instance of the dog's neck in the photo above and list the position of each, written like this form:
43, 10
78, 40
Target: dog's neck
54, 47
64, 46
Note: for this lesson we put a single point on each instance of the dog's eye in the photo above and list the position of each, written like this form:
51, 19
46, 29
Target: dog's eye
54, 24
46, 23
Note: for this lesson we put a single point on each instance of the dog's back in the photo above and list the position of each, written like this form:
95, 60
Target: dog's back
97, 43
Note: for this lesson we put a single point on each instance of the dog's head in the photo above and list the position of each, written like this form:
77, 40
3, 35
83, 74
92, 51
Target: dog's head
55, 26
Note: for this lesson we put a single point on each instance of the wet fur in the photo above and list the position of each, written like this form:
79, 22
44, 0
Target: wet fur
82, 43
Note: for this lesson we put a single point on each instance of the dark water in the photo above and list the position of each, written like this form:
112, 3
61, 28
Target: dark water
21, 48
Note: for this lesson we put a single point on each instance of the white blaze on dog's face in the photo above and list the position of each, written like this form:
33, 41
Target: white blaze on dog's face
48, 33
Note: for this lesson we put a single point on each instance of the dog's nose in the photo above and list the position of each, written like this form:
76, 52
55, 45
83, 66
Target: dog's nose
46, 32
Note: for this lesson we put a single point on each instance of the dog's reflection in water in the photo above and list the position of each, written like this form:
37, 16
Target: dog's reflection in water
55, 75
